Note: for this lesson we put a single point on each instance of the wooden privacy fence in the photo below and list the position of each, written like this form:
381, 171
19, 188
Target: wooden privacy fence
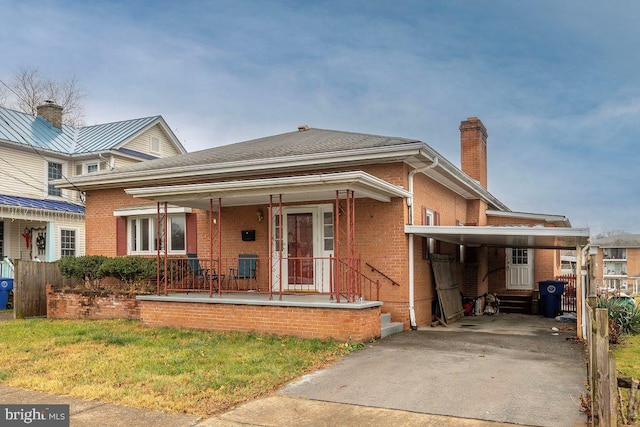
602, 367
606, 401
29, 286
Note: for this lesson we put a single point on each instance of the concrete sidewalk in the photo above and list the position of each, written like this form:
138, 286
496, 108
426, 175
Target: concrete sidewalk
269, 411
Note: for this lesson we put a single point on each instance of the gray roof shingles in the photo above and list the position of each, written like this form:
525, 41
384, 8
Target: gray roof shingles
310, 142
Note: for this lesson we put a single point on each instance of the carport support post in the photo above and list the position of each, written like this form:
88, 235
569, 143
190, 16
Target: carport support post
580, 300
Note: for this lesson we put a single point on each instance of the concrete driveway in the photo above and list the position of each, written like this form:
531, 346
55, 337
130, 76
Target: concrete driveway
507, 368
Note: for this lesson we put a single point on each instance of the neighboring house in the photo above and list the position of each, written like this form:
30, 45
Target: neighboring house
43, 222
340, 227
617, 262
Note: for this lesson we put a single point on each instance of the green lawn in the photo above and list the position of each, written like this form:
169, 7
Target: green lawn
627, 356
168, 369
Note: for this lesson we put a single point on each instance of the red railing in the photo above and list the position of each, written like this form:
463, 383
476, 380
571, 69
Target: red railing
303, 275
569, 303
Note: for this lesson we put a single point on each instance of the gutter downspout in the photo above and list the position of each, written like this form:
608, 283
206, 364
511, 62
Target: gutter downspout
412, 312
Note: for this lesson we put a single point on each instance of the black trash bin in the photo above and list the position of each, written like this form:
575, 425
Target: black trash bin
551, 297
6, 285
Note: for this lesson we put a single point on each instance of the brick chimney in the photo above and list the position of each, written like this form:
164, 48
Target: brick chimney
473, 149
51, 112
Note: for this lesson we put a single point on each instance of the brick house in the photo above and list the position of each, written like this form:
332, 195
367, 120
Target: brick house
616, 263
316, 233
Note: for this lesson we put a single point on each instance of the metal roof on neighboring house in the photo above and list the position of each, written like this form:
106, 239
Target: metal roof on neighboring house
109, 135
46, 204
25, 129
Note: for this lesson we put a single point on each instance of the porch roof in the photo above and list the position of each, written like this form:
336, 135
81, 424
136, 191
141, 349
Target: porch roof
505, 236
302, 188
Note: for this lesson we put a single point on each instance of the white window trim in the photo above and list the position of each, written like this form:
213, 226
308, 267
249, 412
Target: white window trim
77, 242
461, 248
63, 193
151, 142
431, 242
153, 234
149, 210
85, 167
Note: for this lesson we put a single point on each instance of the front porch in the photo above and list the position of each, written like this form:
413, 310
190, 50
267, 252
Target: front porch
305, 316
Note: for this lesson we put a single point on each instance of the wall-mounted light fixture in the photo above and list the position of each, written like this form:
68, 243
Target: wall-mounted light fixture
260, 215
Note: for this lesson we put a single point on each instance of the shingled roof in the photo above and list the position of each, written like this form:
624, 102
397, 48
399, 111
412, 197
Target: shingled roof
309, 142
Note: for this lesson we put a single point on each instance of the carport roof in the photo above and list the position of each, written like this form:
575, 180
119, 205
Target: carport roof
505, 236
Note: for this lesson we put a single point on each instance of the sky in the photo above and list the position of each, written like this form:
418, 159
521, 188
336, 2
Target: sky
556, 84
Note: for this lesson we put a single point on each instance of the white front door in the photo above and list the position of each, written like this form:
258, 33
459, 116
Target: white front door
307, 243
519, 269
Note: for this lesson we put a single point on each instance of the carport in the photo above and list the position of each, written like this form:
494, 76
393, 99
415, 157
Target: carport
534, 237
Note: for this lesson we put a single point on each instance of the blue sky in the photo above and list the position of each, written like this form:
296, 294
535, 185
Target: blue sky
555, 83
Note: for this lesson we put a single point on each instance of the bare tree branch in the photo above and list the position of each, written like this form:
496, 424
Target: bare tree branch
28, 89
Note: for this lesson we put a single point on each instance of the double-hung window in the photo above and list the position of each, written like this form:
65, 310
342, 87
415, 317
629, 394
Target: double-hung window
68, 242
142, 234
54, 171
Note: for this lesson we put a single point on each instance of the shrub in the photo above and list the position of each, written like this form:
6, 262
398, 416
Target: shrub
84, 268
623, 318
129, 269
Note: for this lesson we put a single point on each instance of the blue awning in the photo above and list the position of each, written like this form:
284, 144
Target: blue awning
50, 205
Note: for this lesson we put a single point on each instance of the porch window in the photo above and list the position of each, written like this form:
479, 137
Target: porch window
142, 234
328, 230
54, 171
67, 242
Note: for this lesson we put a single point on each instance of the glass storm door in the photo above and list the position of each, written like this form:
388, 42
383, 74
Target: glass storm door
300, 249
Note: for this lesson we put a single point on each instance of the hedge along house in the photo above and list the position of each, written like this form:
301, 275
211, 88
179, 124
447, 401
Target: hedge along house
317, 232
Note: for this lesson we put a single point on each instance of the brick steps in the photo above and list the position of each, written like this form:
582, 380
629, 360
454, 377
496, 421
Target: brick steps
515, 304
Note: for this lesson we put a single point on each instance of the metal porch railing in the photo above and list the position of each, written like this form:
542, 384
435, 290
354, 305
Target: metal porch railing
569, 302
304, 275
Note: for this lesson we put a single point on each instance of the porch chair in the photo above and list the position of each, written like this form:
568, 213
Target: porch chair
201, 274
247, 265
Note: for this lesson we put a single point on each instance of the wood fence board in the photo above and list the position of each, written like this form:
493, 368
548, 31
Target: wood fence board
31, 278
447, 287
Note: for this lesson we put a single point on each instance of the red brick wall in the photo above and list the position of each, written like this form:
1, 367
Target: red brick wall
473, 148
74, 305
325, 323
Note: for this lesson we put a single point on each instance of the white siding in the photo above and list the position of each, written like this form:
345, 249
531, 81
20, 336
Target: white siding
142, 143
23, 173
17, 249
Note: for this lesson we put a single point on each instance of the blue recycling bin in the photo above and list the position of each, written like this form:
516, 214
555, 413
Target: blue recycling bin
551, 297
6, 285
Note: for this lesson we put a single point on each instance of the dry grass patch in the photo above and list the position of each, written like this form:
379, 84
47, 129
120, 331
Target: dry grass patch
168, 369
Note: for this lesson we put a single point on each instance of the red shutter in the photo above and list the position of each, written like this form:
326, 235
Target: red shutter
121, 235
436, 218
191, 224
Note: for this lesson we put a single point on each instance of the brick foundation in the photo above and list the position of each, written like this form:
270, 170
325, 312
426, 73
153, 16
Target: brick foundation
359, 325
84, 305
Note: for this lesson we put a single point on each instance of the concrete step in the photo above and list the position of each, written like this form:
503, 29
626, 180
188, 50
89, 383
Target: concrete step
385, 319
387, 327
